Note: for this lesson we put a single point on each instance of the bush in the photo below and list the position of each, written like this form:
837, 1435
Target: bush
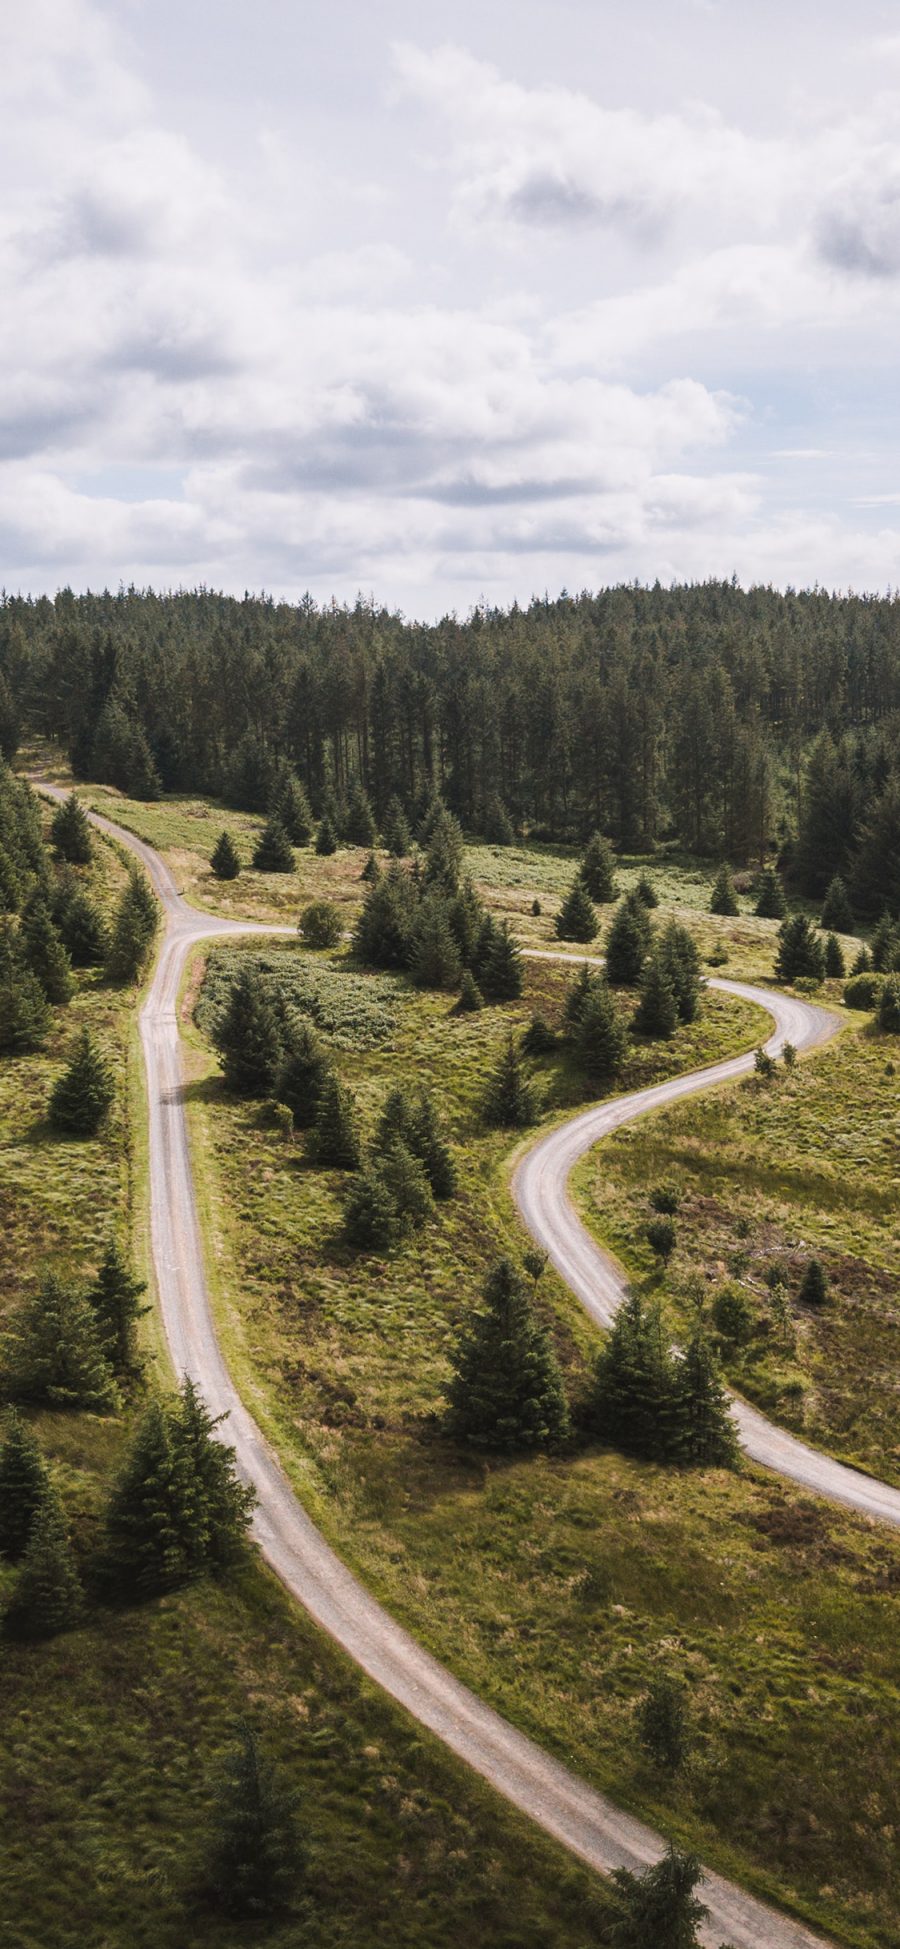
663, 1724
666, 1199
863, 990
321, 924
888, 1017
764, 1065
661, 1237
732, 1315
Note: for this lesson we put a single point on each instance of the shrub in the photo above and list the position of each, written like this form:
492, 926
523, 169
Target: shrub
663, 1723
661, 1237
666, 1199
764, 1065
888, 1016
863, 990
789, 1056
732, 1315
536, 909
321, 925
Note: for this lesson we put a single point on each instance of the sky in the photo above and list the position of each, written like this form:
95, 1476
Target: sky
449, 304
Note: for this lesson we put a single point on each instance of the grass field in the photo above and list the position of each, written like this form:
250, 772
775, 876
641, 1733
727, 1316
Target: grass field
557, 1587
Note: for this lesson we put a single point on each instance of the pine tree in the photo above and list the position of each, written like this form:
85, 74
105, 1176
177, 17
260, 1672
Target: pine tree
876, 873
217, 1516
326, 838
679, 954
334, 1138
406, 1179
301, 1075
599, 1039
885, 945
55, 1354
371, 870
84, 1093
577, 918
500, 974
114, 1299
150, 1519
814, 1284
659, 1909
506, 1393
835, 966
45, 954
663, 1725
321, 924
509, 1099
466, 916
656, 1014
414, 1123
627, 944
597, 870
82, 931
133, 930
837, 912
370, 1215
248, 1037
255, 1858
273, 852
496, 823
23, 1484
70, 833
444, 854
289, 805
48, 1597
631, 1402
360, 829
434, 961
703, 1428
383, 934
801, 955
646, 892
770, 901
723, 899
9, 721
888, 1014
24, 1010
577, 995
395, 829
470, 995
225, 861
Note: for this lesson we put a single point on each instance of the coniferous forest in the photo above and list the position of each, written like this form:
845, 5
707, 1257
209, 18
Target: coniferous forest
724, 720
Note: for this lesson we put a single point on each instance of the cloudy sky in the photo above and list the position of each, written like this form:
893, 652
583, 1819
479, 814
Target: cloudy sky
449, 303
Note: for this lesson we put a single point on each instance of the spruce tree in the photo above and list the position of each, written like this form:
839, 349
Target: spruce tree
55, 1353
599, 1038
326, 838
82, 931
656, 1014
427, 1142
360, 829
434, 955
370, 1214
703, 1428
406, 1180
217, 1516
70, 832
631, 1401
597, 870
334, 1138
48, 1597
659, 1909
134, 927
506, 1393
627, 944
371, 870
888, 1012
663, 1725
114, 1298
45, 954
444, 854
301, 1075
723, 899
646, 892
835, 966
395, 829
383, 934
814, 1284
577, 918
500, 974
496, 823
509, 1098
800, 952
255, 1858
225, 861
466, 916
84, 1093
23, 1484
150, 1517
470, 995
289, 804
577, 995
770, 901
886, 945
24, 1010
876, 872
273, 852
248, 1037
837, 912
678, 952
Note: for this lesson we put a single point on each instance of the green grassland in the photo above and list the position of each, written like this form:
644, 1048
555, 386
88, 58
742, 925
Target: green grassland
770, 1175
111, 1731
557, 1586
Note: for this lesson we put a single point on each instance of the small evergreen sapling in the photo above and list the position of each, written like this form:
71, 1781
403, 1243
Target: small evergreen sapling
114, 1298
326, 838
70, 832
657, 1011
577, 918
321, 924
723, 899
273, 852
599, 1037
470, 995
23, 1484
801, 955
659, 1909
506, 1393
395, 829
46, 955
598, 871
48, 1596
225, 862
509, 1098
663, 1723
255, 1858
500, 973
371, 870
85, 1092
770, 901
334, 1138
835, 966
627, 944
837, 912
646, 892
814, 1284
301, 1075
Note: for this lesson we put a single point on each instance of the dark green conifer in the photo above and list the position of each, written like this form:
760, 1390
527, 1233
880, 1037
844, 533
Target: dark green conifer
225, 861
679, 954
631, 1402
801, 955
70, 832
444, 854
326, 838
500, 972
506, 1393
577, 994
599, 1038
814, 1284
301, 1074
248, 1037
470, 995
770, 901
371, 870
321, 924
370, 1215
646, 892
289, 805
84, 1093
133, 930
82, 931
334, 1138
888, 1013
703, 1431
395, 829
48, 1597
45, 954
255, 1856
150, 1518
886, 945
23, 1484
360, 829
509, 1098
24, 1010
723, 899
383, 934
273, 852
835, 966
466, 916
55, 1354
434, 961
659, 1909
627, 944
217, 1517
656, 1014
577, 918
598, 870
663, 1723
837, 912
496, 823
114, 1297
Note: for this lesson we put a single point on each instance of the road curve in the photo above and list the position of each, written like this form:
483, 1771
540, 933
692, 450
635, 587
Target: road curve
540, 1189
588, 1824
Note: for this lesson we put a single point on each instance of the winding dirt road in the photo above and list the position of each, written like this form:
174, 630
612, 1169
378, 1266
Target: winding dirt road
564, 1806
